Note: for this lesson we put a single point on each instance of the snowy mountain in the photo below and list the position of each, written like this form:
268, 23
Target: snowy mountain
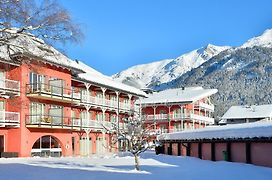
264, 40
156, 73
243, 76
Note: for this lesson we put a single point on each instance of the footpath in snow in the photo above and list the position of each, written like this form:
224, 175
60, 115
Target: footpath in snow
122, 167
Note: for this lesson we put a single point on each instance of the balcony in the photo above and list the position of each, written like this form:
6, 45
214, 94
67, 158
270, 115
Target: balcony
9, 119
202, 118
51, 92
157, 117
93, 124
9, 88
176, 117
60, 122
100, 102
180, 116
48, 121
156, 132
209, 107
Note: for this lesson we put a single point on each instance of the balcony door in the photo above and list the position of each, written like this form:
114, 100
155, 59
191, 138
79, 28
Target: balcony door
163, 128
177, 113
84, 95
37, 82
2, 143
85, 146
113, 100
177, 126
99, 117
37, 112
56, 86
56, 114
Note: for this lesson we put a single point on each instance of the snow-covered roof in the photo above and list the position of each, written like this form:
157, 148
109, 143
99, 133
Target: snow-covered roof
96, 77
233, 131
29, 45
249, 112
189, 94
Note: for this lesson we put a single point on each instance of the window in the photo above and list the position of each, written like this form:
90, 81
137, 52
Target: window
177, 126
56, 85
2, 105
162, 111
46, 146
2, 75
113, 118
56, 114
163, 128
84, 95
36, 81
36, 112
73, 114
126, 101
113, 98
99, 117
177, 113
99, 95
99, 98
84, 115
42, 113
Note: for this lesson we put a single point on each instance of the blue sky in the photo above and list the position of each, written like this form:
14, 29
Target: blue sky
123, 33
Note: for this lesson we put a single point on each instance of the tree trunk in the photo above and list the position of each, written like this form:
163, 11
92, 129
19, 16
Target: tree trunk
137, 165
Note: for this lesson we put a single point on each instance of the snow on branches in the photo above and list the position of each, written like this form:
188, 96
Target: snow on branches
136, 135
46, 19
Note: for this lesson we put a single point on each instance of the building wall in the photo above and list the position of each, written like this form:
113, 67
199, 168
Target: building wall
183, 149
175, 123
21, 139
175, 149
206, 151
194, 150
238, 152
219, 148
259, 153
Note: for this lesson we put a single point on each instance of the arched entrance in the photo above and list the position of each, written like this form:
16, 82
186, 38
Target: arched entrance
46, 146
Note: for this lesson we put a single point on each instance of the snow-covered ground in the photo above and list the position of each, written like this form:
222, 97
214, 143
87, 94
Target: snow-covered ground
121, 167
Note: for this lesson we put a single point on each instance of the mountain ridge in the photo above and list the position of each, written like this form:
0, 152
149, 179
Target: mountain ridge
158, 72
243, 75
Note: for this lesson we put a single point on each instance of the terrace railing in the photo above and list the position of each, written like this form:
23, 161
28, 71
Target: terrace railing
65, 122
52, 91
167, 117
9, 119
9, 87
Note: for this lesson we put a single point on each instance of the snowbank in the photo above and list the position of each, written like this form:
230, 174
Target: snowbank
247, 130
116, 168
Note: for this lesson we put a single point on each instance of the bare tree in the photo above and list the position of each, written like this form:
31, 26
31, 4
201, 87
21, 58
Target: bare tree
136, 135
46, 19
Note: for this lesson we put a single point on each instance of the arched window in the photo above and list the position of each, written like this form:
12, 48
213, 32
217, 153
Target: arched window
46, 146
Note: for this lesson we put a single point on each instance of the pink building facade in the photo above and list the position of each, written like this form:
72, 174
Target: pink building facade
58, 107
177, 110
